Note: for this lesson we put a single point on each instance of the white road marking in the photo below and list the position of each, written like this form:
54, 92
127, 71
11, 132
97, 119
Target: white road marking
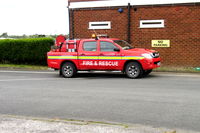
26, 72
32, 79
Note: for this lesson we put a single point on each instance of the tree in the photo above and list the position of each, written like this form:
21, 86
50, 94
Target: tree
4, 35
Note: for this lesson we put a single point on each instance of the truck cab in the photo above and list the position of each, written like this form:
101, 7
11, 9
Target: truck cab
106, 54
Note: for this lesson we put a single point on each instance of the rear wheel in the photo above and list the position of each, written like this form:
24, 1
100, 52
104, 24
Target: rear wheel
133, 70
68, 70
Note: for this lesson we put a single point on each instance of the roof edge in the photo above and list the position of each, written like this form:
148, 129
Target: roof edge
119, 3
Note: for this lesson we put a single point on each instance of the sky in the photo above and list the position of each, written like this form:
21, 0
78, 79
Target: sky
18, 17
49, 17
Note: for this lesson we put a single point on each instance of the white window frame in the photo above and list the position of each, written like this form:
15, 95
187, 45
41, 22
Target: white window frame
107, 25
152, 23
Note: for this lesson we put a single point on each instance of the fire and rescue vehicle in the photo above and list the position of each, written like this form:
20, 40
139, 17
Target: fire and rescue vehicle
100, 53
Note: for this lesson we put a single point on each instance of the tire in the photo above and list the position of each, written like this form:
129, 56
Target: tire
146, 72
68, 70
133, 70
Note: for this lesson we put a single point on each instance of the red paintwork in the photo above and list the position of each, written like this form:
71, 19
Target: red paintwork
60, 39
56, 63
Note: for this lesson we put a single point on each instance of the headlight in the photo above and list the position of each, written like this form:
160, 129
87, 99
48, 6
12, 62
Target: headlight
155, 55
148, 56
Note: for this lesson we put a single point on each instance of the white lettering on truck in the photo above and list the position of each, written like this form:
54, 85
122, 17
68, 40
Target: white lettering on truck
100, 63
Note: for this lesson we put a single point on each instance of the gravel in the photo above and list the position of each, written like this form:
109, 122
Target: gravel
16, 124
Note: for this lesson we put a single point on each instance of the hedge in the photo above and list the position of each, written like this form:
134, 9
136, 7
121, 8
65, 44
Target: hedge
25, 51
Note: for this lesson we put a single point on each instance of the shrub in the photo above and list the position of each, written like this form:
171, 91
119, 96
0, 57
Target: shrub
25, 51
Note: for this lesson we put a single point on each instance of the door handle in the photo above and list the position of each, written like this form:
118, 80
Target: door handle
82, 54
101, 54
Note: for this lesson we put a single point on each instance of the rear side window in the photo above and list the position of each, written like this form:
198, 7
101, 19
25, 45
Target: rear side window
90, 46
107, 46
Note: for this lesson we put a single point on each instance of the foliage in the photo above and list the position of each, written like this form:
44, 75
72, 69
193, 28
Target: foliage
4, 35
25, 51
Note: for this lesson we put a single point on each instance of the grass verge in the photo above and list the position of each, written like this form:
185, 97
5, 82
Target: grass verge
16, 66
177, 69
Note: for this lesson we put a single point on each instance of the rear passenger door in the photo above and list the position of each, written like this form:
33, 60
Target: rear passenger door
88, 55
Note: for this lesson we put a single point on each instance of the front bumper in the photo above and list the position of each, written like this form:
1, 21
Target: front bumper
148, 64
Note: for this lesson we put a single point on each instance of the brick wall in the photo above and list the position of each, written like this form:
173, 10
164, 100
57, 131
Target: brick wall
82, 19
182, 28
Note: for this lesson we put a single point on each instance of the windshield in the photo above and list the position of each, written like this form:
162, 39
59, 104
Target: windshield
125, 45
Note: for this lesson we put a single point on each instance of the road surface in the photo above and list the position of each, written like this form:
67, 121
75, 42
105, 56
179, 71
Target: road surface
160, 100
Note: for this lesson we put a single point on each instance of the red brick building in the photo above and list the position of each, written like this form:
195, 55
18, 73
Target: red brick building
174, 26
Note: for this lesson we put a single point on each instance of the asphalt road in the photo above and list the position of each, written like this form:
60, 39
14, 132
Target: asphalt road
159, 100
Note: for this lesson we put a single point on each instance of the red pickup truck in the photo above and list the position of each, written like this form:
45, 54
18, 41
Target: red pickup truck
107, 54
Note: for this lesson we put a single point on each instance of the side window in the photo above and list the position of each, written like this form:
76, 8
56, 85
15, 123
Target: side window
90, 46
107, 46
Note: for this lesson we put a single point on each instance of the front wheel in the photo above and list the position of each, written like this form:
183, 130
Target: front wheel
68, 70
133, 70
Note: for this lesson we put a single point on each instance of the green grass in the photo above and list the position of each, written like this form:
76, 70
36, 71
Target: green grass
16, 66
177, 69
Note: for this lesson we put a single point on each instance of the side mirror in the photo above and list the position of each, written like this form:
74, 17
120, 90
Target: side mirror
116, 49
